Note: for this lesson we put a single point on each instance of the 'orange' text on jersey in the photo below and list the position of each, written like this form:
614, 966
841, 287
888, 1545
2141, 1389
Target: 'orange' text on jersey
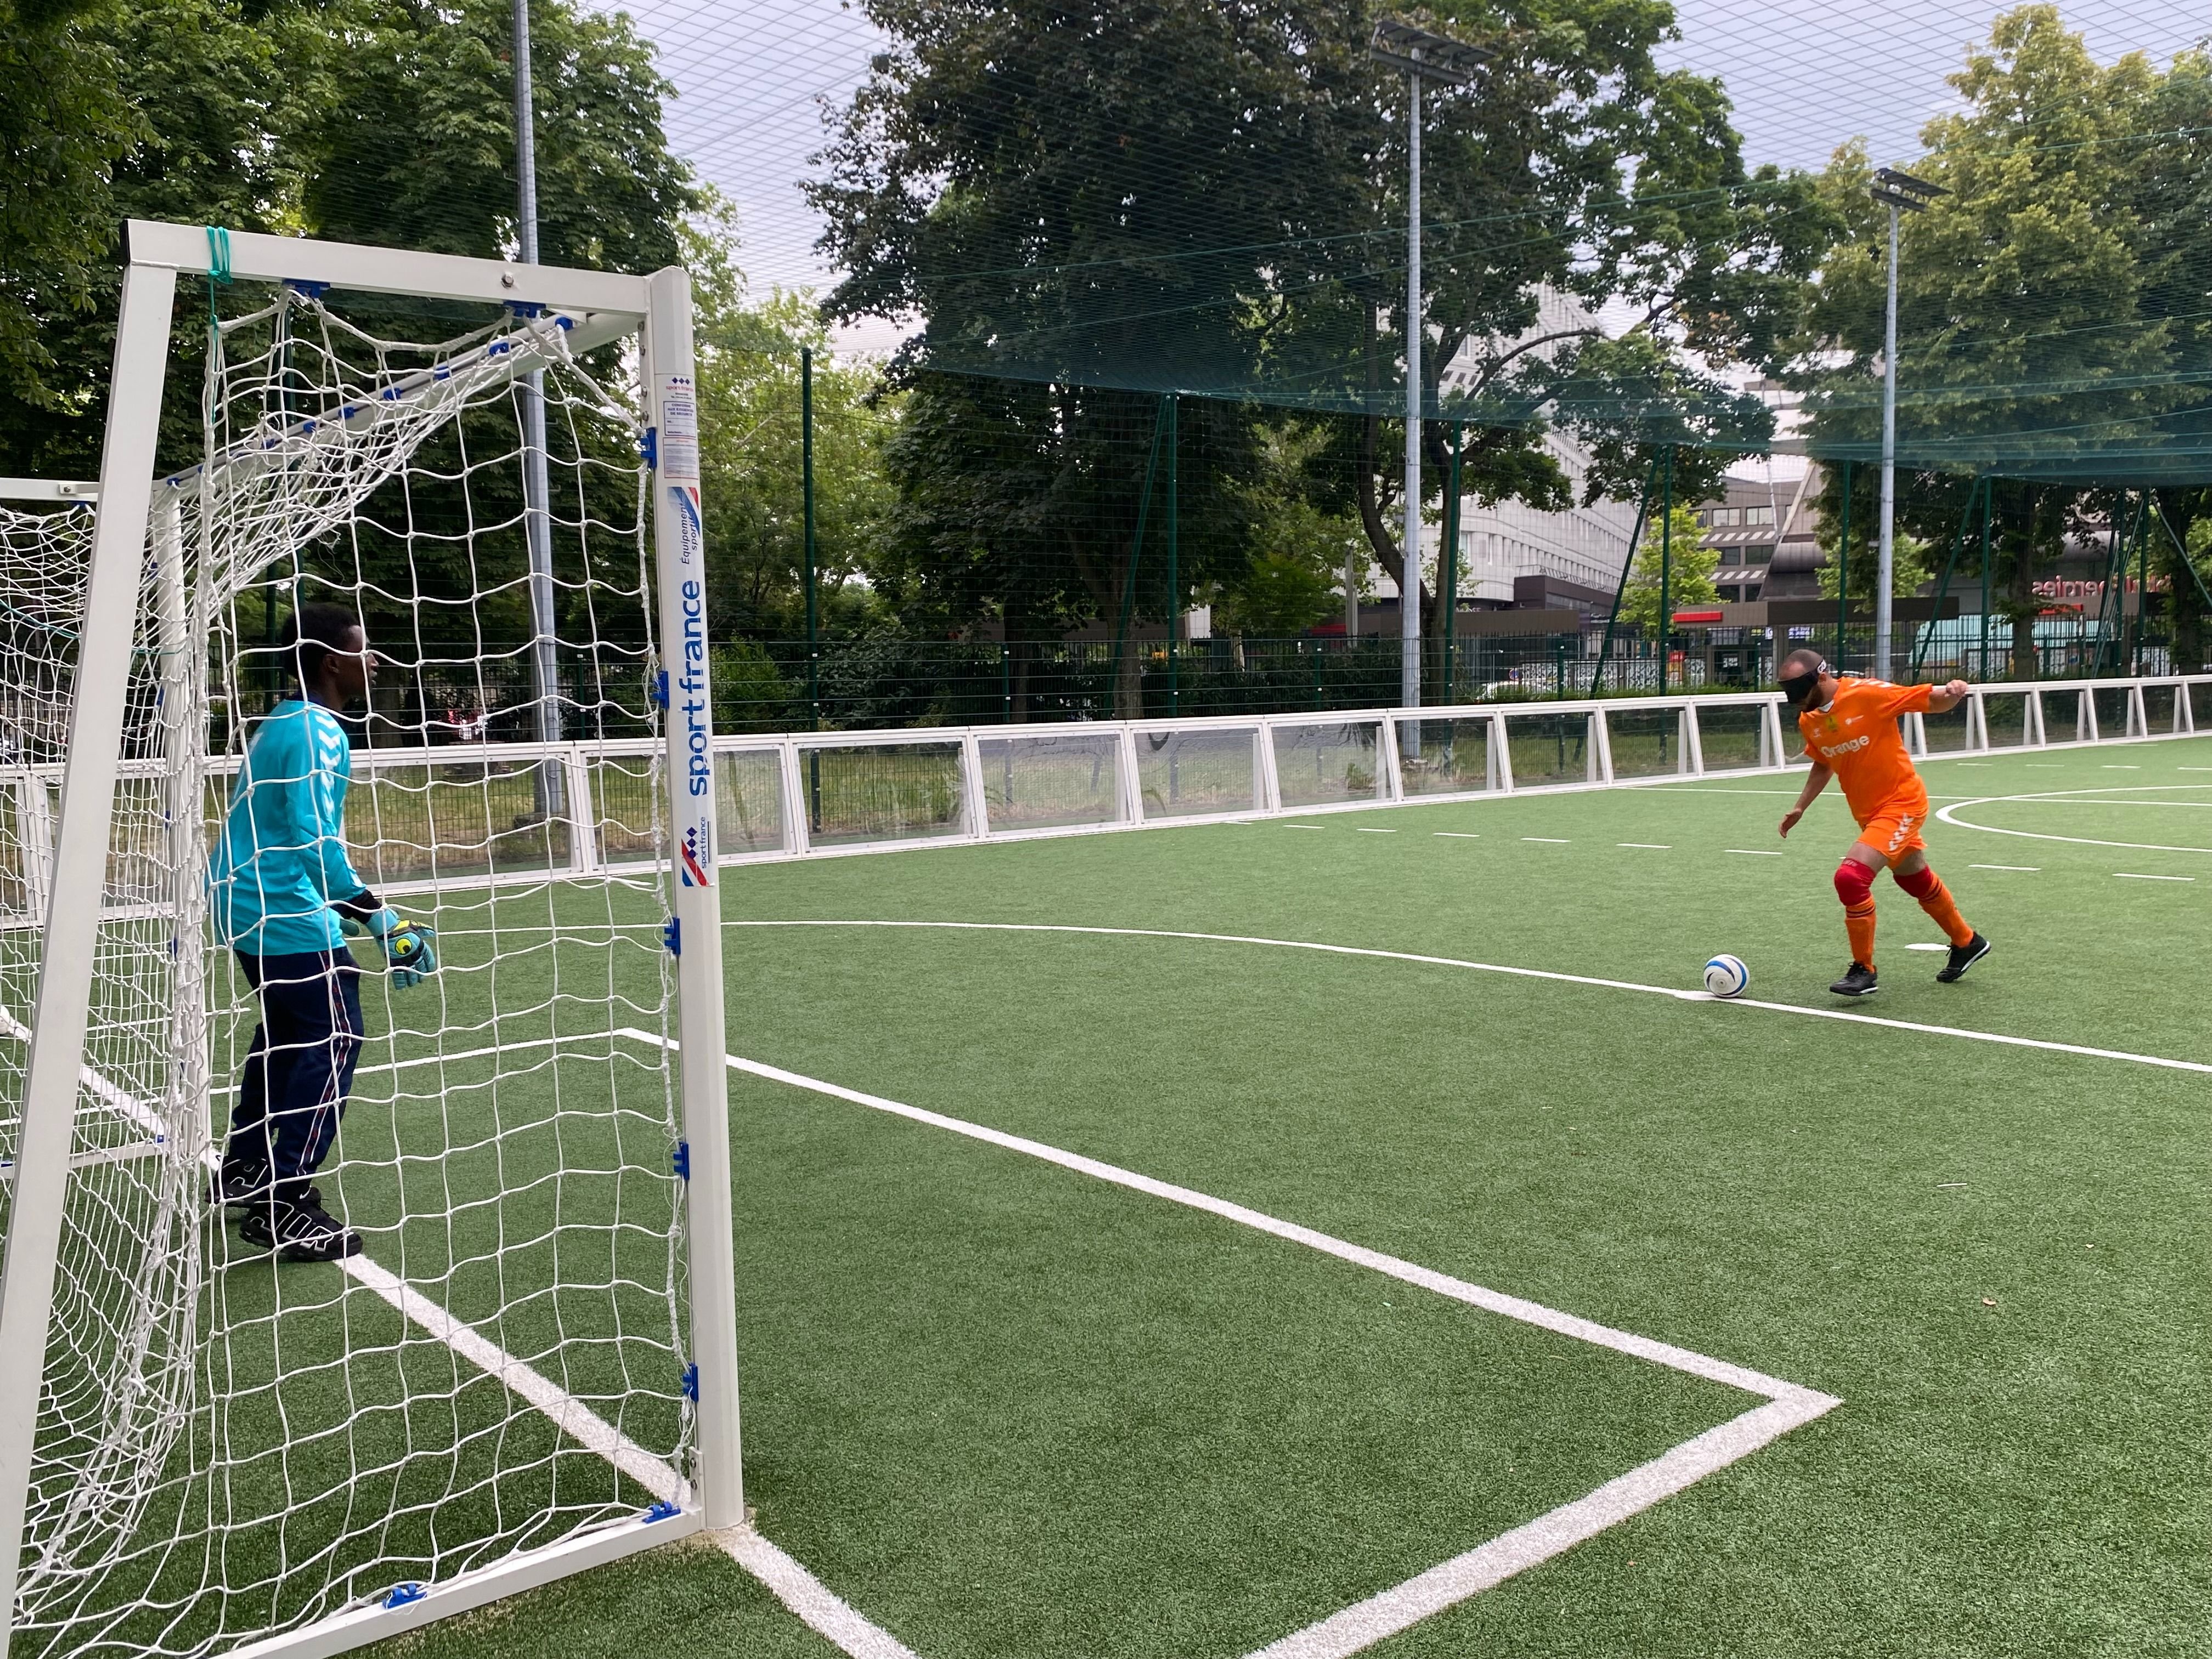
1855, 738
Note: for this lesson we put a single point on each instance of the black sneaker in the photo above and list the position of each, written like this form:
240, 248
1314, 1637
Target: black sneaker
1963, 957
237, 1185
1857, 982
302, 1231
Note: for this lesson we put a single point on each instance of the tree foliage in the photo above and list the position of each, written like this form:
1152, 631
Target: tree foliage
381, 121
1174, 193
752, 466
2044, 302
1674, 547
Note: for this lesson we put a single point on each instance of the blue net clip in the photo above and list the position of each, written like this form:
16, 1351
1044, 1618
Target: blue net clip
402, 1594
307, 289
661, 687
663, 1510
682, 1160
525, 307
671, 935
648, 447
692, 1383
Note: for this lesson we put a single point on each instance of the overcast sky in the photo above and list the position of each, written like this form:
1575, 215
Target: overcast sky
753, 77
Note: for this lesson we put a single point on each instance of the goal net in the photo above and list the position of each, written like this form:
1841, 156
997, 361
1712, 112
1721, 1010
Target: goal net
231, 1448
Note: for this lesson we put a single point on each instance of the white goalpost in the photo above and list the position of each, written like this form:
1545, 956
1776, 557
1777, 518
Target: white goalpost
531, 1366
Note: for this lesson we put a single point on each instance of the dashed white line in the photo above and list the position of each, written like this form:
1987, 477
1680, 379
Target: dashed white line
1305, 826
2193, 768
1917, 945
1754, 851
2129, 875
1549, 841
2108, 767
2024, 869
1456, 835
1368, 830
1648, 846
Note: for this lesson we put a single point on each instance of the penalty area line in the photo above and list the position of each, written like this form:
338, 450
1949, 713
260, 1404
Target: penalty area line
2000, 1039
1786, 1404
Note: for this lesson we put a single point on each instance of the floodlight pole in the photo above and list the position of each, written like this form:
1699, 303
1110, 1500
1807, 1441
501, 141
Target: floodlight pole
1884, 557
1409, 589
1414, 52
536, 488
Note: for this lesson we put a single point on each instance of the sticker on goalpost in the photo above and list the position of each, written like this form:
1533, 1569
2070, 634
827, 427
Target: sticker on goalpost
679, 454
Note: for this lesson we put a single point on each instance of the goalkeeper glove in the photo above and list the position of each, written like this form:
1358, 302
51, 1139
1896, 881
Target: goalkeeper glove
410, 948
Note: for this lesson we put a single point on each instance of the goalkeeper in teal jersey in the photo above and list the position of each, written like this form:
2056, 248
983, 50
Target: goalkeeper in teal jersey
284, 895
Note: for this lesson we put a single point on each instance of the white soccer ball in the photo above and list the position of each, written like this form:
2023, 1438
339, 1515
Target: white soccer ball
1727, 976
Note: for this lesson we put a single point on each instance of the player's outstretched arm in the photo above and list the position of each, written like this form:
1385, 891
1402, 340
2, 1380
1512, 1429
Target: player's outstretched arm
1944, 698
1806, 797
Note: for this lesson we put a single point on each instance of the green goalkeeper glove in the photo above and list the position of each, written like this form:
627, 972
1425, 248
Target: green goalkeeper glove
410, 948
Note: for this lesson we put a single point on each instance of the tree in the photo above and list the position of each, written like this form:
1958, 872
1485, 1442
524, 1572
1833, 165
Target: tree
1299, 549
1171, 193
1070, 148
382, 121
751, 471
1677, 541
63, 123
2036, 311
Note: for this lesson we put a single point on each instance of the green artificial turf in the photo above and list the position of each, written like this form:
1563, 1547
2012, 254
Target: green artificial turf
1005, 1409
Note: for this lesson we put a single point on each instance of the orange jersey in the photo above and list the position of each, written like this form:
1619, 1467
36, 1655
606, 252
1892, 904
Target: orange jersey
1855, 738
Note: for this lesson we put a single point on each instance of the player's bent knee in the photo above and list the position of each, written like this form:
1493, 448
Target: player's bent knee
1919, 882
1854, 884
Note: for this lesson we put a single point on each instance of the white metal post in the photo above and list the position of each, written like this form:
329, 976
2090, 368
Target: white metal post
1501, 750
71, 934
1885, 563
795, 829
1389, 776
975, 812
680, 553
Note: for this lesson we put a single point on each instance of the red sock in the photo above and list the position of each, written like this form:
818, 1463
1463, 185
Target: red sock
1855, 886
1926, 885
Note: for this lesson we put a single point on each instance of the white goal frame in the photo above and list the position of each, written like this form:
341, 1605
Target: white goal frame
600, 307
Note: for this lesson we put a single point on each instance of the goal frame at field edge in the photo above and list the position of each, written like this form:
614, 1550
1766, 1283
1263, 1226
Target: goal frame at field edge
599, 308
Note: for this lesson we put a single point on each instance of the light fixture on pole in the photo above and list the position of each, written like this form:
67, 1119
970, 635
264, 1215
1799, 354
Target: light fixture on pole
1899, 192
1417, 54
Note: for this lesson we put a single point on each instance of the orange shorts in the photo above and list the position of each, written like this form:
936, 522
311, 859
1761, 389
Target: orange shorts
1893, 828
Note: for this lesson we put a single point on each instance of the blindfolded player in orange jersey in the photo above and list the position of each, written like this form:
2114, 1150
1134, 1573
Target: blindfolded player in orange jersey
1850, 727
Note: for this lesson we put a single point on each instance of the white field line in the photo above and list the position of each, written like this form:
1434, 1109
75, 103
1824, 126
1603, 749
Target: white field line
1999, 1037
1788, 1405
819, 1606
1456, 835
1366, 829
1754, 851
2129, 875
1549, 841
2023, 869
799, 1590
1486, 1565
2069, 798
791, 1583
1647, 845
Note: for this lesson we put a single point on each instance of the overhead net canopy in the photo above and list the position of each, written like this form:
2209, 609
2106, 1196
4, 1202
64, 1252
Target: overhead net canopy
1648, 232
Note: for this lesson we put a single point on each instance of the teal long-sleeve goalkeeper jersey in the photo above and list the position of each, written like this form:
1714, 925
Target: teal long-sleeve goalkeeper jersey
282, 859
